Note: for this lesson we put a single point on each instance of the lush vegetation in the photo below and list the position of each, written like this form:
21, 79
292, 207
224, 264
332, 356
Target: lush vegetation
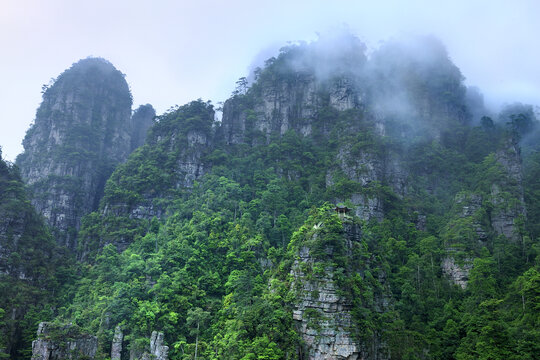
33, 269
214, 276
211, 264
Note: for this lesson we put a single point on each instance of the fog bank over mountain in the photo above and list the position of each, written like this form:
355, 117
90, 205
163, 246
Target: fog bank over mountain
174, 52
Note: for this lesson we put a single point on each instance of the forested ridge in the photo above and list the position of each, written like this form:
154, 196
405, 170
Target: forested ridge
344, 207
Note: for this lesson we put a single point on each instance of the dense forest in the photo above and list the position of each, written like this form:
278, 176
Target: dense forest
344, 206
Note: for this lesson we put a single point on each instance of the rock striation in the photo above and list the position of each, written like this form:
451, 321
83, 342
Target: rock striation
457, 273
141, 121
323, 309
507, 194
286, 104
157, 350
323, 316
165, 167
479, 216
82, 130
116, 346
60, 342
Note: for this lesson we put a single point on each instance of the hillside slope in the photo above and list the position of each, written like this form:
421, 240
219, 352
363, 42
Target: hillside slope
345, 207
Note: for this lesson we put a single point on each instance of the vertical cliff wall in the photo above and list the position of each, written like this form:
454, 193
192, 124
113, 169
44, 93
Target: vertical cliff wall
331, 282
59, 342
141, 120
158, 172
81, 132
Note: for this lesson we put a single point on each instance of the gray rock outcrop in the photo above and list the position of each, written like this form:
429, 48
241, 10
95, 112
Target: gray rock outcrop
157, 350
457, 273
322, 311
323, 316
507, 196
365, 169
81, 132
472, 222
141, 120
294, 102
60, 342
116, 347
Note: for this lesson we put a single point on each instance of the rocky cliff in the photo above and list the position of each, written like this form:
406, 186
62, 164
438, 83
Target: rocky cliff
287, 103
21, 229
155, 351
116, 346
82, 130
507, 192
495, 208
141, 120
208, 215
60, 342
395, 98
169, 163
323, 316
329, 251
468, 230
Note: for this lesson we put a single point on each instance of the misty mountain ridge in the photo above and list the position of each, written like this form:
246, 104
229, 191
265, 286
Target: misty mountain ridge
348, 205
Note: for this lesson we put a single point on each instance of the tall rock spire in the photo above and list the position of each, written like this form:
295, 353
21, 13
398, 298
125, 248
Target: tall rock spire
81, 131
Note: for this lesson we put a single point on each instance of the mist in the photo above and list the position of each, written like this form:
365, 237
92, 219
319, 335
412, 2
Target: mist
410, 81
175, 52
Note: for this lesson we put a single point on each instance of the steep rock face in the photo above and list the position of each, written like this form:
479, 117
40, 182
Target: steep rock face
497, 211
468, 230
21, 230
172, 159
370, 168
507, 194
291, 103
141, 120
364, 168
274, 111
457, 273
323, 316
157, 350
81, 131
116, 346
322, 310
62, 342
166, 166
295, 92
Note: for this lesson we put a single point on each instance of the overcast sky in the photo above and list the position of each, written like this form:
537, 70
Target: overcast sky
176, 51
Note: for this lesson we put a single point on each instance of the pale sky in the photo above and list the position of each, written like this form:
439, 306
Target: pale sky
173, 52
